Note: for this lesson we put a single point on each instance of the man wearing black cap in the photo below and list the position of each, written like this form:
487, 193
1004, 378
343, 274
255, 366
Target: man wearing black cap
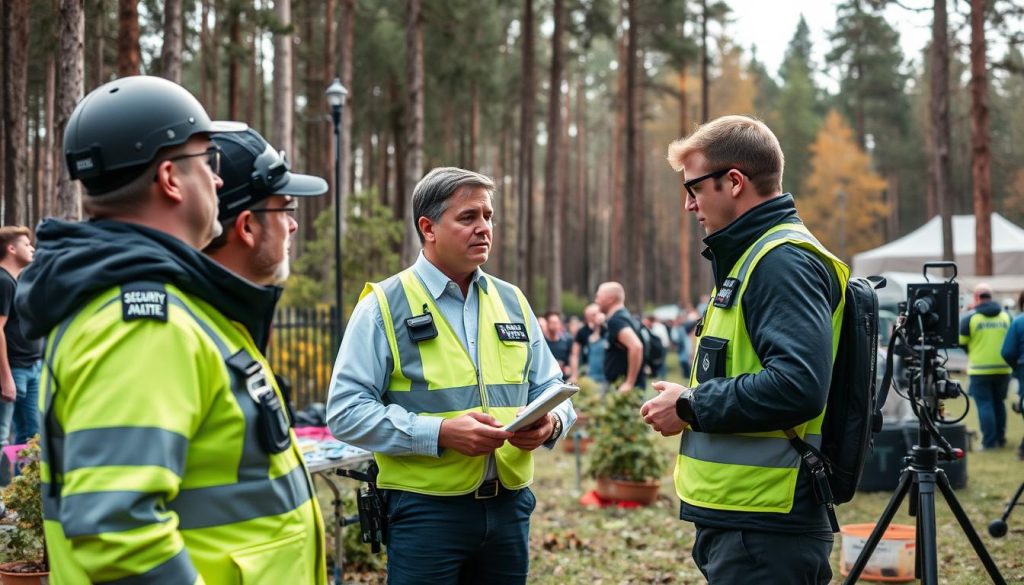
257, 207
168, 458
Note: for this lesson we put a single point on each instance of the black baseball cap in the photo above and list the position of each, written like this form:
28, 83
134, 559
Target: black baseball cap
253, 171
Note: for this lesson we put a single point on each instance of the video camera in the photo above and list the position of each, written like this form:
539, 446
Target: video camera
928, 322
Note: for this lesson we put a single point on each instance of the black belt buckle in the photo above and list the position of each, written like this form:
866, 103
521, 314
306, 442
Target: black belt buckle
487, 490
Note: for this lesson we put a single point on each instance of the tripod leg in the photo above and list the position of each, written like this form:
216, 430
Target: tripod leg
928, 552
883, 523
972, 535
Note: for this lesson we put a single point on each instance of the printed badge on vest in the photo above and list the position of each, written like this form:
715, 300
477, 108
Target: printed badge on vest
512, 331
727, 293
144, 301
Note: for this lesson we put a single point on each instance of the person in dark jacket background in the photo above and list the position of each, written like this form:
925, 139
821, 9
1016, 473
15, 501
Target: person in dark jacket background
759, 365
982, 332
1013, 353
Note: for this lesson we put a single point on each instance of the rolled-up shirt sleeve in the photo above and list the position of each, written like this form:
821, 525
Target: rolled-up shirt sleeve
356, 413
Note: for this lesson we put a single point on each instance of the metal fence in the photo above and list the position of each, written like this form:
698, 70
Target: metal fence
302, 349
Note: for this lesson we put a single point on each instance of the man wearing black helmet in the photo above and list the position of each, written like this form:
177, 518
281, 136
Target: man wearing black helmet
168, 458
257, 207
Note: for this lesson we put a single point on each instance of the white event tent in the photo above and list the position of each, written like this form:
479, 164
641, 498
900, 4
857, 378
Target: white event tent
924, 244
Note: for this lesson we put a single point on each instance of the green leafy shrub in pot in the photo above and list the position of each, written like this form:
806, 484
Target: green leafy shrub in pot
624, 446
26, 545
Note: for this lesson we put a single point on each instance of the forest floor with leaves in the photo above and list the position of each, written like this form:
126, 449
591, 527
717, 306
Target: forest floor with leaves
571, 543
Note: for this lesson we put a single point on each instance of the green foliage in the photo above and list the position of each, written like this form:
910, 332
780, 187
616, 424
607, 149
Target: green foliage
23, 497
369, 253
798, 109
624, 446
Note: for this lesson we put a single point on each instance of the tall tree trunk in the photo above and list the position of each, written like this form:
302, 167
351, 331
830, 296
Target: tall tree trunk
127, 38
630, 193
981, 163
617, 245
35, 140
3, 97
213, 63
414, 120
45, 198
705, 84
583, 194
939, 106
254, 81
97, 67
552, 168
328, 70
284, 99
15, 69
70, 91
204, 53
527, 138
346, 34
260, 84
170, 56
685, 290
474, 124
234, 61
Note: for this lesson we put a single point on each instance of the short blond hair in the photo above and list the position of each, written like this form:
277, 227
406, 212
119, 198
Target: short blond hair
9, 234
743, 142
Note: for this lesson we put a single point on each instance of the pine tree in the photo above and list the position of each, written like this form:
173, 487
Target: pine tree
798, 105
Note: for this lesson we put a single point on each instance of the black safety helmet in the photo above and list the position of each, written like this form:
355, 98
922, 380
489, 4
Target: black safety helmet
252, 171
119, 128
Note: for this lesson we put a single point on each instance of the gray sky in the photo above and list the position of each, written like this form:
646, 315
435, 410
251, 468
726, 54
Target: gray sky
770, 24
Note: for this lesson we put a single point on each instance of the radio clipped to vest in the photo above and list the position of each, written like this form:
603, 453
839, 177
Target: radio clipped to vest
272, 422
421, 327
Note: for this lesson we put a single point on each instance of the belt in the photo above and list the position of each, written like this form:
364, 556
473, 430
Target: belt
488, 489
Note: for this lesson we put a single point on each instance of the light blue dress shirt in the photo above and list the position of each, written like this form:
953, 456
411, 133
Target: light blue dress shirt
356, 412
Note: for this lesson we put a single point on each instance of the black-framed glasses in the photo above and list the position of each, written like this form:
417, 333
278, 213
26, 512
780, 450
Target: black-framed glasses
715, 175
212, 155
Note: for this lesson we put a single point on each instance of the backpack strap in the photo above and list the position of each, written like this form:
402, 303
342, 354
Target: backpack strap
817, 464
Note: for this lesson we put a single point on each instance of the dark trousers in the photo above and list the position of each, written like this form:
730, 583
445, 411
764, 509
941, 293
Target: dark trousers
728, 557
459, 539
989, 393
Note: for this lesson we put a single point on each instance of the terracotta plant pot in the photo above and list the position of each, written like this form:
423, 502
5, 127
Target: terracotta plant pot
641, 492
8, 577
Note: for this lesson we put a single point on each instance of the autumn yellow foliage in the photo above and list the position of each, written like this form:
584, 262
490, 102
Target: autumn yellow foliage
842, 201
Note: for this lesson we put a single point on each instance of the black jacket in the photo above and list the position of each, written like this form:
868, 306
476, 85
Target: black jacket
787, 307
74, 262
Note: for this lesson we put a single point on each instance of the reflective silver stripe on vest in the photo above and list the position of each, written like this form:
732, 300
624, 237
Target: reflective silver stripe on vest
177, 569
742, 450
228, 504
94, 513
459, 398
989, 367
760, 244
515, 315
107, 446
408, 351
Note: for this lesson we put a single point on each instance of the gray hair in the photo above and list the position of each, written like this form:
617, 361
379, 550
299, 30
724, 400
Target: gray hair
431, 195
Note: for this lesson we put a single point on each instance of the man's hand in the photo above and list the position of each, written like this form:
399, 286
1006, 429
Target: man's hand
8, 391
660, 412
534, 435
626, 386
472, 434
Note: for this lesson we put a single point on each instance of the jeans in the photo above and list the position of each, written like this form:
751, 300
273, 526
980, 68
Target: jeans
989, 393
6, 418
26, 407
459, 540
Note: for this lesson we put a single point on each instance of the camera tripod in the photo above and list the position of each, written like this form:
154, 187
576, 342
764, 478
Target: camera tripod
998, 528
920, 479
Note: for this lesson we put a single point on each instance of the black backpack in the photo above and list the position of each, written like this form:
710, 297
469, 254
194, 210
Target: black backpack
851, 414
654, 349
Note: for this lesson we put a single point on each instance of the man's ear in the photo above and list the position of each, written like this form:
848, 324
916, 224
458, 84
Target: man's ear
427, 228
169, 181
244, 228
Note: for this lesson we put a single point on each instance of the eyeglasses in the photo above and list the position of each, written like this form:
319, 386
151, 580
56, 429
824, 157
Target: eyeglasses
715, 175
291, 209
212, 155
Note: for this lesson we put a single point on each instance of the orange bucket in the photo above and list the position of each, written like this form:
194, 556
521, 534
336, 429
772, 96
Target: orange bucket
893, 558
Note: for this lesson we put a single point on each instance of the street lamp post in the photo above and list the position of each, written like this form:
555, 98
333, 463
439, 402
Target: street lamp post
336, 94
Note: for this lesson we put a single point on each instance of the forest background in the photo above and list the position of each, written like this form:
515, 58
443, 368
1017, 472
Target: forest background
568, 104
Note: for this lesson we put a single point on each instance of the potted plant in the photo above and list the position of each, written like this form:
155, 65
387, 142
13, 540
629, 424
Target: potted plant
624, 458
26, 544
